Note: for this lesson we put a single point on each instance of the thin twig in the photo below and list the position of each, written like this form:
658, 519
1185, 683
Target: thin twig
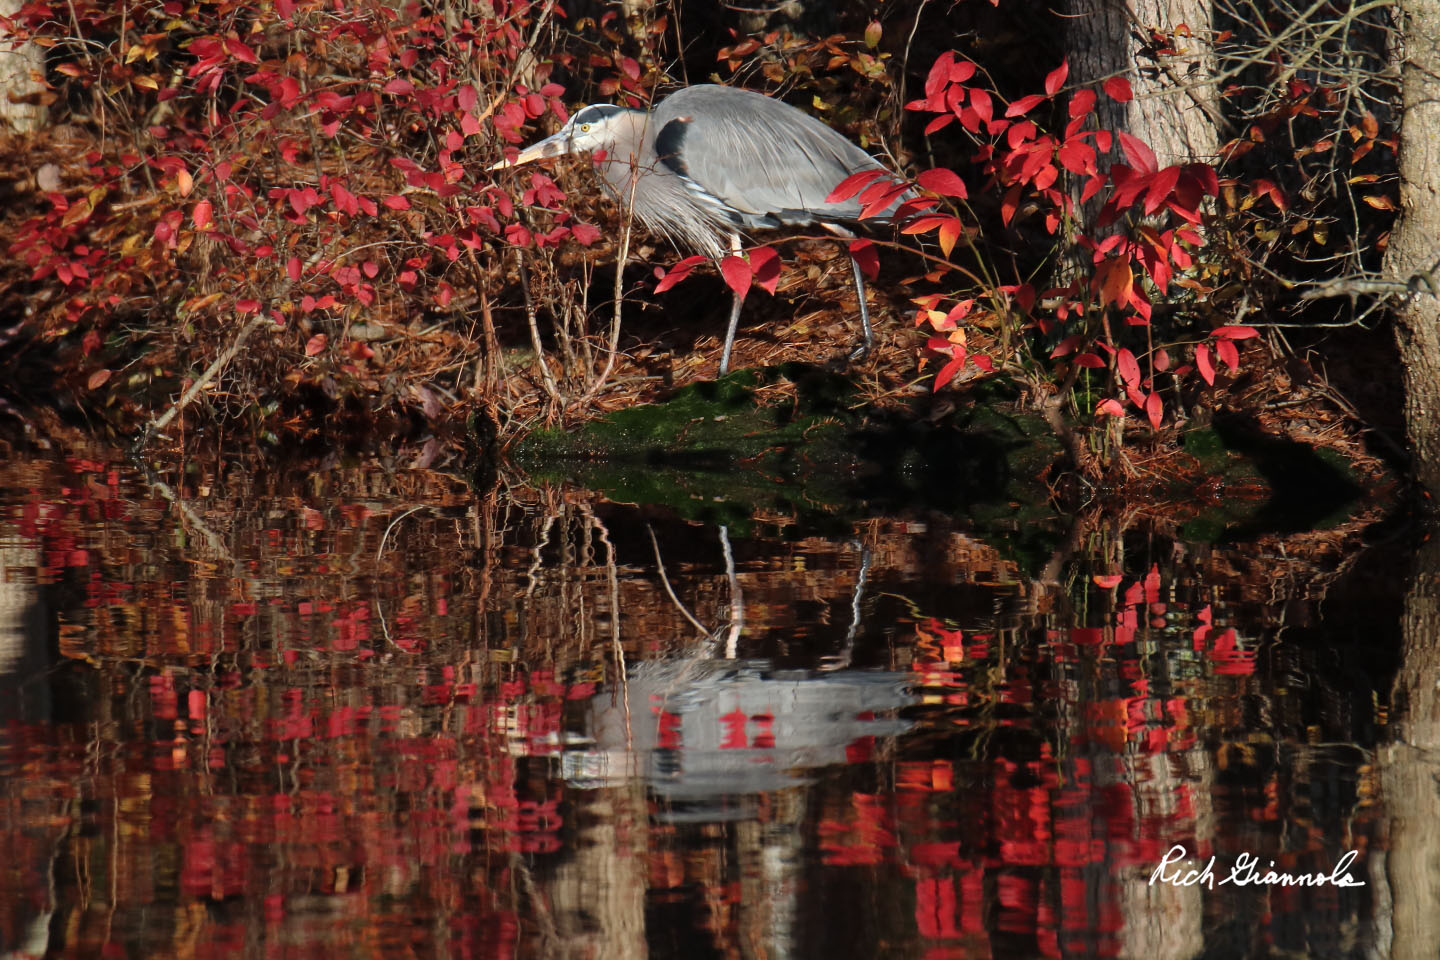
213, 371
550, 387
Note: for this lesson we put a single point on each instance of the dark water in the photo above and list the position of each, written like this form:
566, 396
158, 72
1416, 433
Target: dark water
365, 711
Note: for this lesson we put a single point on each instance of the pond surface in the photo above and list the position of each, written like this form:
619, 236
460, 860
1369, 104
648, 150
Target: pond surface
362, 710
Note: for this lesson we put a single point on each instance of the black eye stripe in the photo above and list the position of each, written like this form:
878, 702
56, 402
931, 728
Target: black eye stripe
596, 113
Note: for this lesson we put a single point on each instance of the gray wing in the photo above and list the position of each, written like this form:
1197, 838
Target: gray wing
758, 155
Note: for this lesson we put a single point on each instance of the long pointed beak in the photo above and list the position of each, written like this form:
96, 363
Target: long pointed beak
552, 146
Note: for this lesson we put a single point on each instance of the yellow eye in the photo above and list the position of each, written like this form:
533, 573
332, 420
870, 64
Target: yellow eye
584, 128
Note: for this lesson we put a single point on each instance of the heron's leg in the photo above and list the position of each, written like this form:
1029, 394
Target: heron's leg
734, 316
861, 349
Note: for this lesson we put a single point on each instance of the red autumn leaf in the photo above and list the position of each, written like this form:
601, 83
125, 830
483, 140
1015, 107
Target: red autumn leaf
201, 214
247, 305
852, 185
1055, 79
1162, 360
316, 344
1024, 105
1203, 364
584, 233
292, 269
1090, 360
913, 208
1160, 187
982, 104
1235, 333
765, 264
939, 74
1225, 349
1128, 368
1107, 582
1116, 281
240, 51
678, 272
863, 252
396, 202
737, 275
1119, 89
1067, 346
948, 372
1154, 410
925, 224
881, 200
942, 181
1265, 188
1141, 157
399, 86
98, 379
1081, 103
1110, 408
1077, 157
370, 268
939, 123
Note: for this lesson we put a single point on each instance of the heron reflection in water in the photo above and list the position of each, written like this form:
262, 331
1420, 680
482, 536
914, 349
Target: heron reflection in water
710, 162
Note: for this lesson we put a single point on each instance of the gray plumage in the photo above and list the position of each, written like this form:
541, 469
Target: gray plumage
709, 163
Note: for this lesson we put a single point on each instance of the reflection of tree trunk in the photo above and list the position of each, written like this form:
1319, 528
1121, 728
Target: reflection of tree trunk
599, 895
1412, 767
1162, 920
1414, 248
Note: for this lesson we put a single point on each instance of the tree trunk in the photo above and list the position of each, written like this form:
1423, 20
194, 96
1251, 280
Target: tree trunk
1415, 242
20, 79
1411, 767
1175, 109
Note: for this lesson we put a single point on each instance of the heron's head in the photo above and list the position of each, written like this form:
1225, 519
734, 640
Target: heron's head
591, 128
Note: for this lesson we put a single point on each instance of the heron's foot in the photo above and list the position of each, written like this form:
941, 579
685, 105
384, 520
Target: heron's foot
840, 362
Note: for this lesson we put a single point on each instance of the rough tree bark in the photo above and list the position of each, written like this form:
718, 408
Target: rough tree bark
1415, 242
1175, 109
20, 71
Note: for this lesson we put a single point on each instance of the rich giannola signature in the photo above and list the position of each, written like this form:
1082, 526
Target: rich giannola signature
1247, 872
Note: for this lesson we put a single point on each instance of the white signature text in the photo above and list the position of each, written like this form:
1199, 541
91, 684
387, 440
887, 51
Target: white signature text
1247, 872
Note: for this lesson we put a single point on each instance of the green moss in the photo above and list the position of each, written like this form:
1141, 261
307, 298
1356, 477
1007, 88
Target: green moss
715, 452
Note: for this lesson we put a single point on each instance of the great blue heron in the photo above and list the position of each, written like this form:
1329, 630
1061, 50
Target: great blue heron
709, 162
